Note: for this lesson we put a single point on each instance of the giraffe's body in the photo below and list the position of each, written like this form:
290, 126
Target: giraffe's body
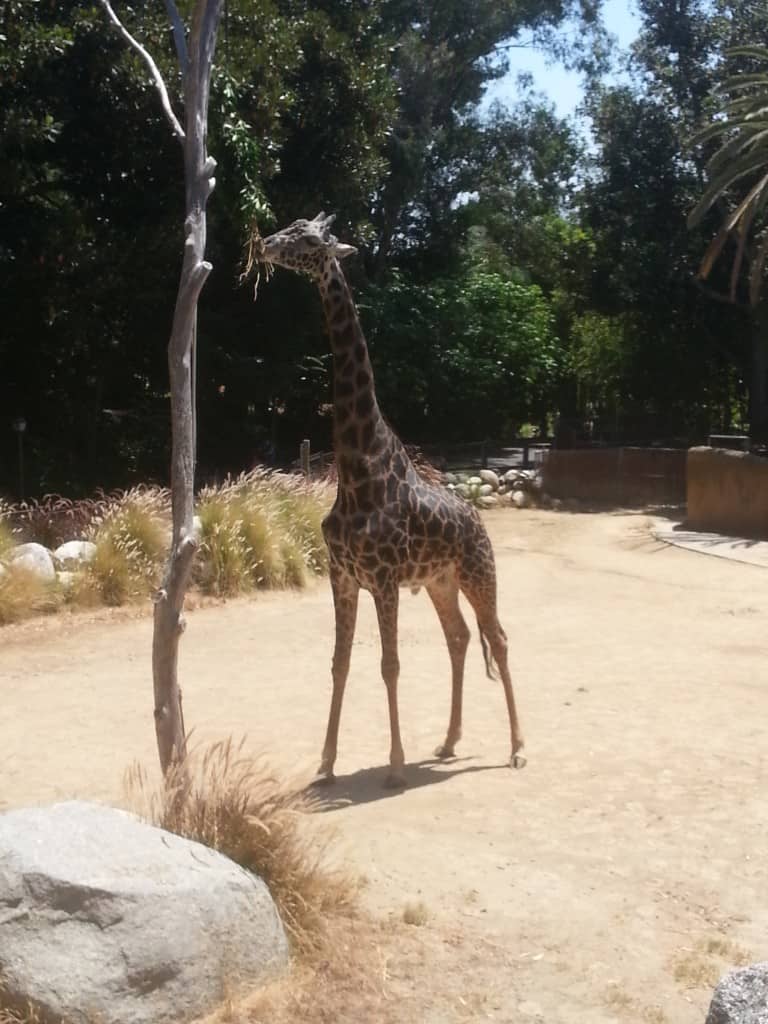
389, 526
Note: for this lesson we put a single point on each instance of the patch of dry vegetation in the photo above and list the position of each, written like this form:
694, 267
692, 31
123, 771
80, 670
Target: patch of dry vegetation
704, 964
259, 530
23, 594
231, 802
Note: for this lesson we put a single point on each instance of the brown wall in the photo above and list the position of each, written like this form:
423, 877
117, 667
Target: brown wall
727, 492
616, 476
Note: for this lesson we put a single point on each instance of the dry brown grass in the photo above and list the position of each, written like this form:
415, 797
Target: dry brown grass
233, 803
345, 983
23, 594
703, 965
416, 914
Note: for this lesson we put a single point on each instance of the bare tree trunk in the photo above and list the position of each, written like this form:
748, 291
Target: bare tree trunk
195, 60
198, 170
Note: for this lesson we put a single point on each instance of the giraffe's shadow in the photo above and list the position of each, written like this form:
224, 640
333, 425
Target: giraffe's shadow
367, 785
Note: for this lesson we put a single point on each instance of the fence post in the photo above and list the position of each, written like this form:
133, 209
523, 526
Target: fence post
304, 458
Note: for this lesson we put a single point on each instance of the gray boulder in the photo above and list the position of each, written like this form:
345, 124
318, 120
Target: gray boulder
74, 553
104, 917
489, 477
34, 558
741, 997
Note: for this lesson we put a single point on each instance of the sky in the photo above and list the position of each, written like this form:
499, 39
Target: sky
562, 87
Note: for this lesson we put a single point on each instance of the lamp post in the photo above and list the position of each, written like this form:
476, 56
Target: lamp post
19, 426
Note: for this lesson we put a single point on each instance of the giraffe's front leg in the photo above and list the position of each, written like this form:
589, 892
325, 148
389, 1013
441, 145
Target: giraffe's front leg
386, 609
345, 595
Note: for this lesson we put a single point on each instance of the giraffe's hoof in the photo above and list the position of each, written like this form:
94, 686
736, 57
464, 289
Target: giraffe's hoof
323, 779
444, 752
394, 781
518, 761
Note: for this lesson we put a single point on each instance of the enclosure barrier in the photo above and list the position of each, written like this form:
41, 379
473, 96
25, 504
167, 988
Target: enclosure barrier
727, 492
628, 477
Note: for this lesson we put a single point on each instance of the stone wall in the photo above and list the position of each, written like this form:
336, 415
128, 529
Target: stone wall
616, 476
727, 492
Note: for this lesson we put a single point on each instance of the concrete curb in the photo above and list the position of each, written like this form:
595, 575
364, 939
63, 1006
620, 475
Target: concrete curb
737, 549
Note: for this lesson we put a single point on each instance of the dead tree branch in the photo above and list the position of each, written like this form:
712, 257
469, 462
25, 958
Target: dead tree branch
157, 78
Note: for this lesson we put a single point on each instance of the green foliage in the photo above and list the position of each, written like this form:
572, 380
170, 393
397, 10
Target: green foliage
479, 352
740, 163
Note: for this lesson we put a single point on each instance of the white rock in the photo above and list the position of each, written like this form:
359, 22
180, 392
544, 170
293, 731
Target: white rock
485, 489
519, 499
105, 918
489, 477
488, 501
66, 578
74, 553
474, 481
463, 490
34, 558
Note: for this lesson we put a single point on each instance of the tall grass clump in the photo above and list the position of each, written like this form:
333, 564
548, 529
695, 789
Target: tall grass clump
260, 530
7, 539
230, 801
131, 539
24, 594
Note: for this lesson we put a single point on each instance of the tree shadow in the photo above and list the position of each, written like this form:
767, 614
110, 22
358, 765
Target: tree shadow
367, 785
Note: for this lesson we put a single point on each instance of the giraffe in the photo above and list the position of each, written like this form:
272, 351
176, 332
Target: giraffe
389, 526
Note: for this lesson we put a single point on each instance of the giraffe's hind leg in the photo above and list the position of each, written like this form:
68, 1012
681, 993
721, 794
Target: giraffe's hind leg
444, 593
481, 594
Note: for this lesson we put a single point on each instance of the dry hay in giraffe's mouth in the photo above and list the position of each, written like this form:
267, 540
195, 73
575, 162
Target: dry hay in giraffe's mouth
255, 258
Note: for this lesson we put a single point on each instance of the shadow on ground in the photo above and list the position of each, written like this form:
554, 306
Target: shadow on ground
367, 785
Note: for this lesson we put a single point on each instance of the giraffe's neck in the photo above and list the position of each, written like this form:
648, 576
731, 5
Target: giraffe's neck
359, 428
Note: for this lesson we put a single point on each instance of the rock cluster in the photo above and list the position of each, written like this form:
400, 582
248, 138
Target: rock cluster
517, 488
49, 566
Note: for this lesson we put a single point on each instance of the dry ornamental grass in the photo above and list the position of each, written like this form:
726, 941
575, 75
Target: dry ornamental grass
259, 530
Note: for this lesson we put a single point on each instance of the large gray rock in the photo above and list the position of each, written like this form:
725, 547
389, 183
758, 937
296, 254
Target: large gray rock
489, 477
34, 558
103, 917
74, 553
741, 997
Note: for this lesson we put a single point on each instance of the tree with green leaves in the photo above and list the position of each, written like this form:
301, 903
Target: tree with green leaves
738, 185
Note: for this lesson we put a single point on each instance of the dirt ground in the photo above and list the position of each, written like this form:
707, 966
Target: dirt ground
611, 880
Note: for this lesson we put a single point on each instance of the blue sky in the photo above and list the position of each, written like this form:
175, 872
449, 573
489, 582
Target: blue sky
561, 86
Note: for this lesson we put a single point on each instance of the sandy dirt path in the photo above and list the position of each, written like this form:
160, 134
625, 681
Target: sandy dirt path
609, 881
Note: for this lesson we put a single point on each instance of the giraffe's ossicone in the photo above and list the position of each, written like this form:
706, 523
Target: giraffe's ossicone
389, 526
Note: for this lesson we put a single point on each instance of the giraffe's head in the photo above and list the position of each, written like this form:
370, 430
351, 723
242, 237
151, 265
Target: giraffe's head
306, 245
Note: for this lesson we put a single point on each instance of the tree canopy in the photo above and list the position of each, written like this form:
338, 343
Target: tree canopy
515, 267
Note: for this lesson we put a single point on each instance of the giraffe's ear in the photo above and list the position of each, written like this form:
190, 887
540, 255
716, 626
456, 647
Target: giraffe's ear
341, 250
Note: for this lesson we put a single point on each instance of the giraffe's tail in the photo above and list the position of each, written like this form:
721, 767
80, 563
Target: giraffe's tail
490, 664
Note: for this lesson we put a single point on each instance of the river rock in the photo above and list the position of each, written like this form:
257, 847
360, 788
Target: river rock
35, 559
74, 553
489, 477
519, 499
103, 917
